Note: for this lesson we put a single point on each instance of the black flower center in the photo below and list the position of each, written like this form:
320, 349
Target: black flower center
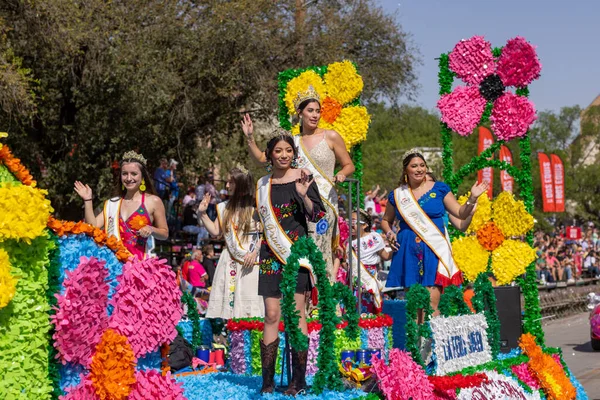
491, 87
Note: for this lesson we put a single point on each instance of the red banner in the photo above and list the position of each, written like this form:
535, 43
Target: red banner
506, 181
486, 174
547, 182
573, 232
558, 172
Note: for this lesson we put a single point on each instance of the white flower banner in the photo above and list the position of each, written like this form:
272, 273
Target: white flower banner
498, 387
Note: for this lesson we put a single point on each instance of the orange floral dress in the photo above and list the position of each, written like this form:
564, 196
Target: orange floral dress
129, 228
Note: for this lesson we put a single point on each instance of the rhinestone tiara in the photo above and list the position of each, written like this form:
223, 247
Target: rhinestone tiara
132, 155
414, 150
309, 94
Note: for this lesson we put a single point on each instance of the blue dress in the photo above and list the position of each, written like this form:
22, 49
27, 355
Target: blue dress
414, 262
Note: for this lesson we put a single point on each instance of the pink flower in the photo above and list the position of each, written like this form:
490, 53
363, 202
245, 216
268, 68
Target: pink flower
487, 78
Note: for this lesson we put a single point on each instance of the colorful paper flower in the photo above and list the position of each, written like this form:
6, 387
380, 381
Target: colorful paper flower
14, 165
138, 222
340, 85
496, 224
8, 283
472, 61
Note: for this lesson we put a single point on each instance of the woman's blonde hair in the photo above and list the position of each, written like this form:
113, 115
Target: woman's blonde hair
241, 202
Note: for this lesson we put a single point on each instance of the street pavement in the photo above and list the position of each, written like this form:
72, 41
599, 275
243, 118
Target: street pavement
572, 335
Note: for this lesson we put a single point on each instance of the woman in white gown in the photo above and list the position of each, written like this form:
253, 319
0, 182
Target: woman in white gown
234, 292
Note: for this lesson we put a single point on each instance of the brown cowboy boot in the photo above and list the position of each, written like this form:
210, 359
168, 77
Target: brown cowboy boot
298, 383
268, 358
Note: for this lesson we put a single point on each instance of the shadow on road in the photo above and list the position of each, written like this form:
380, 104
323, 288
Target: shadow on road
582, 348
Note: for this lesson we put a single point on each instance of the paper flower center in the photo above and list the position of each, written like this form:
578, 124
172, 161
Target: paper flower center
330, 110
491, 87
490, 236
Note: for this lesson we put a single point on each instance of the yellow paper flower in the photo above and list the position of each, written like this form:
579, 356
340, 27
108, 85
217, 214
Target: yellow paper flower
8, 284
301, 84
343, 83
3, 135
340, 85
483, 212
470, 256
493, 227
24, 212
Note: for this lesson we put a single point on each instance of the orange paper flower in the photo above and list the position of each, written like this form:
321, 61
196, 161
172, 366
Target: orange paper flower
331, 109
14, 165
138, 222
112, 370
545, 369
490, 236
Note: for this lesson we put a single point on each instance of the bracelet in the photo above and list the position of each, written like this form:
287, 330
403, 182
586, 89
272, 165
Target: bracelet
88, 199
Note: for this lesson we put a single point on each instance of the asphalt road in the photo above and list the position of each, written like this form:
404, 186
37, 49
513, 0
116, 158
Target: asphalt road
572, 335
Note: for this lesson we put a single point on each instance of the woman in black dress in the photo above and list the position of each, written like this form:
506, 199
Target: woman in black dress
287, 200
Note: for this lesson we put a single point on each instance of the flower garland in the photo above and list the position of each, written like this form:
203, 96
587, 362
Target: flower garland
8, 283
24, 211
417, 297
61, 228
192, 314
15, 167
548, 372
327, 376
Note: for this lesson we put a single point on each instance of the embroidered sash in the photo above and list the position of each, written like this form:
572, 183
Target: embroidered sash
112, 213
279, 242
234, 244
326, 186
369, 281
423, 226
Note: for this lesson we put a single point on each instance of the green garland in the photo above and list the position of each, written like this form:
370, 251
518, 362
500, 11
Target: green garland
192, 313
345, 295
452, 302
53, 288
327, 375
417, 298
484, 301
445, 79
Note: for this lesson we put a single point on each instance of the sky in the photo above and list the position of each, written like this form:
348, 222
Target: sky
565, 32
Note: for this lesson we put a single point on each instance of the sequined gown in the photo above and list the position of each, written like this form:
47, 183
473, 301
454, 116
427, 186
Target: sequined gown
324, 157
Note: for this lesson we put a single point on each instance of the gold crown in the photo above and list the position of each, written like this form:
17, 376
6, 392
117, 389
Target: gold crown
132, 155
414, 150
278, 132
309, 94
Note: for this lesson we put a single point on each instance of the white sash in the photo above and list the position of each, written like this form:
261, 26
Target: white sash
234, 244
421, 224
326, 187
112, 213
279, 242
368, 281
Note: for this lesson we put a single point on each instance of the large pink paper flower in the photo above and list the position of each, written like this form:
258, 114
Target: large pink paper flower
487, 79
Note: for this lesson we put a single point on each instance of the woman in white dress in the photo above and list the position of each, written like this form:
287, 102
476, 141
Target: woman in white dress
234, 292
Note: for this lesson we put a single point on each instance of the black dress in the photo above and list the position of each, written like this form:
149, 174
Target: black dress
292, 216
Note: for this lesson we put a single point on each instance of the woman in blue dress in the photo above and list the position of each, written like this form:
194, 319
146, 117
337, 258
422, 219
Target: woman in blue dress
424, 254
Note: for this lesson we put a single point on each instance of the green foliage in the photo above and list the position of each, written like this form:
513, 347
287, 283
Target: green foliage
170, 78
417, 298
452, 302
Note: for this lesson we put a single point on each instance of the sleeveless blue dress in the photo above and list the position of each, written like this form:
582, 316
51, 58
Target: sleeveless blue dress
414, 262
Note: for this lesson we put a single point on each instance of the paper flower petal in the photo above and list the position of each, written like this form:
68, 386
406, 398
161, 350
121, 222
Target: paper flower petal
462, 109
84, 391
518, 64
402, 378
301, 84
472, 60
512, 116
343, 82
151, 385
352, 125
511, 216
147, 304
81, 317
470, 257
510, 260
24, 212
8, 283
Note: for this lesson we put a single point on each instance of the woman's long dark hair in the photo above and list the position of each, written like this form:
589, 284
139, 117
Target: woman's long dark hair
405, 163
285, 137
241, 201
119, 190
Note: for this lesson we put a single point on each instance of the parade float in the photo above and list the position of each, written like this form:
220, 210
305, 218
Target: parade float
81, 319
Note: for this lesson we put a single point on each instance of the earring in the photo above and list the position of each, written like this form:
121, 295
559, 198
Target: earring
294, 163
143, 185
269, 167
